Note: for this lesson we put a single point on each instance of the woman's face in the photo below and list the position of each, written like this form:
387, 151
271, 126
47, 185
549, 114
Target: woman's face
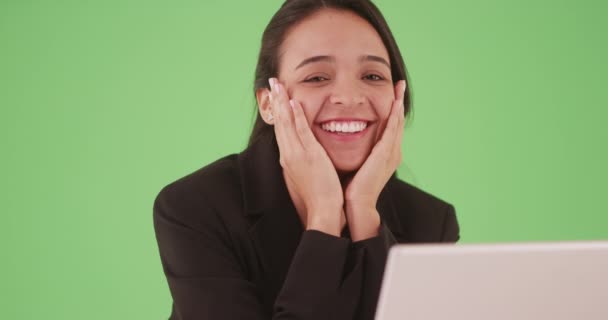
335, 64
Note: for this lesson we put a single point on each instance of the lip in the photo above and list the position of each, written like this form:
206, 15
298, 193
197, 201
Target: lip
344, 120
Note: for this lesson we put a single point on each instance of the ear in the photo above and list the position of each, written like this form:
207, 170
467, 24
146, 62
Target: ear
262, 95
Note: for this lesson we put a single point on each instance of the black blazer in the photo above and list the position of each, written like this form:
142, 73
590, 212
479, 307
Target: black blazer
232, 245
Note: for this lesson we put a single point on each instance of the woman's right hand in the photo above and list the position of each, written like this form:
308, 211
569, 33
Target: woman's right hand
306, 164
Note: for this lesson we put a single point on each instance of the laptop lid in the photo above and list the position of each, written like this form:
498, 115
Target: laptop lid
564, 280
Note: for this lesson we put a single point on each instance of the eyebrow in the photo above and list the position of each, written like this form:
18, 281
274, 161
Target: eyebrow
375, 59
315, 59
332, 60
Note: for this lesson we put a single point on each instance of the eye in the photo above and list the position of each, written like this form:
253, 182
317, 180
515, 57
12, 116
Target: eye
316, 79
373, 77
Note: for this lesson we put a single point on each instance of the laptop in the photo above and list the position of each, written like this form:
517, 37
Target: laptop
557, 281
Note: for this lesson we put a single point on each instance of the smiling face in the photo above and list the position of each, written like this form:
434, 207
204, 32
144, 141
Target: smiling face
335, 64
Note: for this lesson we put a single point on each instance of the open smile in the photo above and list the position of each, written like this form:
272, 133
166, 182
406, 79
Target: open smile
345, 130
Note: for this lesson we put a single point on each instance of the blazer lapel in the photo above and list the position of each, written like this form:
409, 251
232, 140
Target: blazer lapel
387, 210
276, 228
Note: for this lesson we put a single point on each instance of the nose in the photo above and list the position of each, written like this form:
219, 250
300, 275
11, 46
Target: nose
346, 93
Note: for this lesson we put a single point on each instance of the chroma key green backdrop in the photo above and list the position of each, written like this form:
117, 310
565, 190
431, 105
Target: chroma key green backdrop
102, 103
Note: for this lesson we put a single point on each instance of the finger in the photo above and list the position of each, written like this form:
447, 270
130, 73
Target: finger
385, 148
400, 90
286, 116
400, 99
302, 128
279, 131
390, 131
397, 111
382, 151
398, 140
400, 95
396, 152
271, 97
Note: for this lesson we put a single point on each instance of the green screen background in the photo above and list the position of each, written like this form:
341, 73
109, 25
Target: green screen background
102, 103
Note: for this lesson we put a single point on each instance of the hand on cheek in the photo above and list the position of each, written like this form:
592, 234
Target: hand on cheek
361, 194
306, 164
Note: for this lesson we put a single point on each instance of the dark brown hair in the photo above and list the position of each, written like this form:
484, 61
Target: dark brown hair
292, 12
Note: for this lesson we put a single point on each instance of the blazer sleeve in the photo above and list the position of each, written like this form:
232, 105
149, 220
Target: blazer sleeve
206, 280
324, 280
375, 253
451, 229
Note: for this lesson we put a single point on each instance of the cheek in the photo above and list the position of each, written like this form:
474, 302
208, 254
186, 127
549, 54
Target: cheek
382, 104
310, 100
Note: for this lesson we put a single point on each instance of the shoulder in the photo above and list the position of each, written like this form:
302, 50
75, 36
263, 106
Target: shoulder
416, 198
423, 216
194, 198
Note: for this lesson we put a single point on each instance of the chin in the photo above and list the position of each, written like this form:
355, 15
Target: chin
346, 164
348, 157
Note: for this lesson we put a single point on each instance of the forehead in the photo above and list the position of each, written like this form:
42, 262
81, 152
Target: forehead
339, 33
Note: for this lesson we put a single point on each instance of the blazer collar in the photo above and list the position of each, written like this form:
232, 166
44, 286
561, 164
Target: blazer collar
262, 179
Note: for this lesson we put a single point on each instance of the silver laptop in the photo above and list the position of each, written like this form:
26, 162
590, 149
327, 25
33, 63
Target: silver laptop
564, 280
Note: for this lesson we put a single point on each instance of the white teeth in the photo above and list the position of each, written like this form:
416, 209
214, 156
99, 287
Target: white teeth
345, 127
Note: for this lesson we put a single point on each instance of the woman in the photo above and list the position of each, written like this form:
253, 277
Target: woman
298, 225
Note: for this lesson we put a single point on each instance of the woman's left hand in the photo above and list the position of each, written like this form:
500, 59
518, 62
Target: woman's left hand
361, 194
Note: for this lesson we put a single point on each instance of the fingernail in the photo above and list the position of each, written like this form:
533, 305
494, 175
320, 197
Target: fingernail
292, 104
